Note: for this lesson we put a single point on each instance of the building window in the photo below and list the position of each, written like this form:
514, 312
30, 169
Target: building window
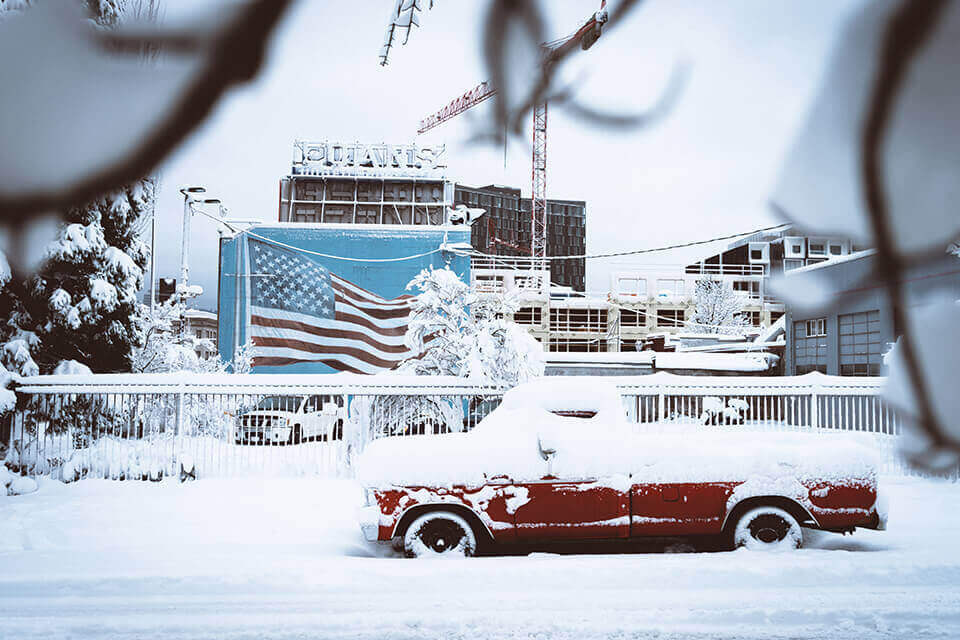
749, 288
632, 318
528, 315
578, 319
796, 248
488, 283
790, 264
632, 286
630, 346
810, 349
669, 318
860, 348
574, 345
753, 317
818, 248
756, 254
670, 286
836, 250
816, 327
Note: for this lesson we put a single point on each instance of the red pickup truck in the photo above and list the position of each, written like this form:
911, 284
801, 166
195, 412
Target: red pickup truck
557, 461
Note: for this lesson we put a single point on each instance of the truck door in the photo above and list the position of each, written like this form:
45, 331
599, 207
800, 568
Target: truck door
685, 508
559, 508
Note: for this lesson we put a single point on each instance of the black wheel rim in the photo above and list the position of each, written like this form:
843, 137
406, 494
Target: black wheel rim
441, 535
769, 528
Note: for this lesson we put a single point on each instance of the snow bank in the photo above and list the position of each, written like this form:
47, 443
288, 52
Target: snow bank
516, 438
745, 362
71, 368
15, 485
584, 453
568, 393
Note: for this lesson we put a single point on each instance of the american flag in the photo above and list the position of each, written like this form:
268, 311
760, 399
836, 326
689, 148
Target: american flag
300, 312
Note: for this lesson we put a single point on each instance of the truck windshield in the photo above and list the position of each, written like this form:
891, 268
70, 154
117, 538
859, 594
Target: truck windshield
280, 403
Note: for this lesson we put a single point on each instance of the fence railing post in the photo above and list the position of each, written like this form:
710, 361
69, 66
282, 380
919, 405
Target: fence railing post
815, 406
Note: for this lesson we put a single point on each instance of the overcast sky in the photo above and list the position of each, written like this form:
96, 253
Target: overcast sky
705, 170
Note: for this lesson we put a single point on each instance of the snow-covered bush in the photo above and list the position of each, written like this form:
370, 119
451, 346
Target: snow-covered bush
718, 309
715, 411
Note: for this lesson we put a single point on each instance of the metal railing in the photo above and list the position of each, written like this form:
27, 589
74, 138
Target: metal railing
150, 426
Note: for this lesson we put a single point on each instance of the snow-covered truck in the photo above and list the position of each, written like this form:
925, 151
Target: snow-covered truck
557, 461
291, 420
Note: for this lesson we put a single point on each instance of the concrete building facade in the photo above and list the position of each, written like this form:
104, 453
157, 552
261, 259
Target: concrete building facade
850, 337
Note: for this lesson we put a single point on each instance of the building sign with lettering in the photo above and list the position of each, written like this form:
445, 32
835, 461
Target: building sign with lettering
353, 158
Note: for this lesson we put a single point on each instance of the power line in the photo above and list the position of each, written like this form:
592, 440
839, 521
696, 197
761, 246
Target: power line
615, 254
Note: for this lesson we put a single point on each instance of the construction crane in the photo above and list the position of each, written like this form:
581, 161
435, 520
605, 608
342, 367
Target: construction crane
585, 36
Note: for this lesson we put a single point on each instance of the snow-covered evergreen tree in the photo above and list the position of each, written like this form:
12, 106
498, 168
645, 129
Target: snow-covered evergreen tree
456, 333
82, 303
439, 325
502, 351
718, 309
452, 340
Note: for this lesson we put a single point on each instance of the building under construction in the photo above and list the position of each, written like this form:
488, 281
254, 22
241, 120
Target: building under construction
505, 229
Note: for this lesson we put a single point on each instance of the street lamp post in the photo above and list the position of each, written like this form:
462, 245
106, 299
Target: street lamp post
190, 197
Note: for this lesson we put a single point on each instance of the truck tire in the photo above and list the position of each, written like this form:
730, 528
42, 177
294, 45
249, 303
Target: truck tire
439, 533
767, 529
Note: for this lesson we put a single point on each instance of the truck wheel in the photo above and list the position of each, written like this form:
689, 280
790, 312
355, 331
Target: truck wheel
439, 533
767, 529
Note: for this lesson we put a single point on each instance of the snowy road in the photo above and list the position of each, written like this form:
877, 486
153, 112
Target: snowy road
283, 559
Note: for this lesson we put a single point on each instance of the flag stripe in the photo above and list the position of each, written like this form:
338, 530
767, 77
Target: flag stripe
311, 347
337, 280
306, 356
366, 302
363, 322
375, 312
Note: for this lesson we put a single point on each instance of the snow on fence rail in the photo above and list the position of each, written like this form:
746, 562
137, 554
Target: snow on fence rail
130, 426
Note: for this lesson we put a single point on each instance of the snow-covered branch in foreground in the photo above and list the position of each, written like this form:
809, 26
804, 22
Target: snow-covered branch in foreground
718, 309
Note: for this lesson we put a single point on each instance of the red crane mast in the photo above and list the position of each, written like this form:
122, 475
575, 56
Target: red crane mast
586, 35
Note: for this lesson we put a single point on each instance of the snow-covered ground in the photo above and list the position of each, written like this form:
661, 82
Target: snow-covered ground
283, 558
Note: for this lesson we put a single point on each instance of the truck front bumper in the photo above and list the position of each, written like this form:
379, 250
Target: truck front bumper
878, 518
369, 519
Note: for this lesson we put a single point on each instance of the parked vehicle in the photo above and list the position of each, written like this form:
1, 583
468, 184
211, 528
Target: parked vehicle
557, 461
291, 420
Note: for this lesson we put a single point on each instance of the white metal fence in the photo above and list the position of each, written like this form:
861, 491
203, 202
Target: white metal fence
149, 426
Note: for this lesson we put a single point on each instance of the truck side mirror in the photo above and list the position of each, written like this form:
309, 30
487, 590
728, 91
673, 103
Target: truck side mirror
546, 452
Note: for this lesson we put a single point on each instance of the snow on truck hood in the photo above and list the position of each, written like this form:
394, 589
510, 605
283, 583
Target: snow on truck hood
508, 443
